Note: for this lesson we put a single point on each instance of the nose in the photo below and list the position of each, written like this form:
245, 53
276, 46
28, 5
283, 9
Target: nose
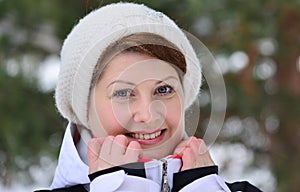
141, 109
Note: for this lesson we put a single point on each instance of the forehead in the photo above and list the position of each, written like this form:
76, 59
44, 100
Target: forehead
136, 67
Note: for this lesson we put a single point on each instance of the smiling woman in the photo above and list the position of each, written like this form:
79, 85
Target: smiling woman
128, 74
139, 105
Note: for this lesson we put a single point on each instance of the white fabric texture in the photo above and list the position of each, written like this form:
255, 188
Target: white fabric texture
71, 170
94, 33
209, 183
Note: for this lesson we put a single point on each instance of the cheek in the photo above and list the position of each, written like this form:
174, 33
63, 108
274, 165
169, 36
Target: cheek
107, 120
175, 115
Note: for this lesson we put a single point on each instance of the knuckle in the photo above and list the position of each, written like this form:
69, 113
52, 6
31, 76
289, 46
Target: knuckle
109, 138
92, 141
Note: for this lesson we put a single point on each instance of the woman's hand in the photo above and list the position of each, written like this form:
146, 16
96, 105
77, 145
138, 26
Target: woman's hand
194, 154
112, 151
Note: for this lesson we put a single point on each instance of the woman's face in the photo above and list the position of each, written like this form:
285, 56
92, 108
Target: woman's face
140, 97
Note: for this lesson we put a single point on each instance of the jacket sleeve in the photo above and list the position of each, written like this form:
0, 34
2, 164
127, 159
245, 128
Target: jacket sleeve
214, 183
204, 179
129, 177
75, 188
120, 181
210, 183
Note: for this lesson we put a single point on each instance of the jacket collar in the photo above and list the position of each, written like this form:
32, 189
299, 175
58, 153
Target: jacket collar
71, 170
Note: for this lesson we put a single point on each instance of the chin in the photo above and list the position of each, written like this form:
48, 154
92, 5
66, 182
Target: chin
157, 153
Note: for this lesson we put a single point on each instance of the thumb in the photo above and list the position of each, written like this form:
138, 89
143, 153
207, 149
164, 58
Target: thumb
188, 159
134, 151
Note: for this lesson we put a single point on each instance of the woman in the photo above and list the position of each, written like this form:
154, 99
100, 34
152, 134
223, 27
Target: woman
128, 74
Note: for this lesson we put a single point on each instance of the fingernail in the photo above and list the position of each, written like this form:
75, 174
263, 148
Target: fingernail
202, 148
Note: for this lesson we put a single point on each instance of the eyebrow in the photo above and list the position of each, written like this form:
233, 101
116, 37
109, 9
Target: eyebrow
120, 81
130, 83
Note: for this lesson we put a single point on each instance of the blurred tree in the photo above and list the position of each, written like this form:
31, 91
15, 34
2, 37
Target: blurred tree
30, 125
28, 120
273, 101
267, 89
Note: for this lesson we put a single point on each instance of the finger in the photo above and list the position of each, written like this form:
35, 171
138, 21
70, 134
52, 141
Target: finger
203, 157
193, 144
202, 147
190, 142
188, 159
204, 160
197, 145
180, 147
106, 147
134, 151
93, 150
119, 145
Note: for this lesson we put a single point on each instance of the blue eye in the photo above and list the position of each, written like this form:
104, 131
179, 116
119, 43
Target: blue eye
122, 93
164, 90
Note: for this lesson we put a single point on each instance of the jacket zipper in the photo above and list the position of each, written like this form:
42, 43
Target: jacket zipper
165, 185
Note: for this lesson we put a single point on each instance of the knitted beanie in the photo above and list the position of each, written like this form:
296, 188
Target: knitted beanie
94, 33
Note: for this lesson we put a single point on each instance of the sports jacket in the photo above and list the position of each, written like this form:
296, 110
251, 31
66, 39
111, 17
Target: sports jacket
71, 175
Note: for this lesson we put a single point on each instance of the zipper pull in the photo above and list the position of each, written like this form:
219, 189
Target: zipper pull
165, 185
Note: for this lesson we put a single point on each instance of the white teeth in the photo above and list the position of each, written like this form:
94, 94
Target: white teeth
135, 135
141, 136
152, 136
145, 136
157, 133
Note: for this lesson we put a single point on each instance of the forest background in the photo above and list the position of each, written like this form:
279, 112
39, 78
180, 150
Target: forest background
256, 44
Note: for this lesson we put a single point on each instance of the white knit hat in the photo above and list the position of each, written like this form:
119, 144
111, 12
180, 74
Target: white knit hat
94, 33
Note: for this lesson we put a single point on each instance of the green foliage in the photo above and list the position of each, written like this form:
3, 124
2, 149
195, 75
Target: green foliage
28, 121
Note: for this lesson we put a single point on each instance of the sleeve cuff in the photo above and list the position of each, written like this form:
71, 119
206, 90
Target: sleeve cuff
120, 181
186, 177
134, 169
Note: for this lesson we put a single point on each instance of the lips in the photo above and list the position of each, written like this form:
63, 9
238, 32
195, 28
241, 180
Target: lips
145, 136
148, 138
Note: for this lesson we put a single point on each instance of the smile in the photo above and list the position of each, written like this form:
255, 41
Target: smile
145, 136
148, 138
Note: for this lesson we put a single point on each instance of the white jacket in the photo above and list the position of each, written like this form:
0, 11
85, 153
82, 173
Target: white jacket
71, 170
